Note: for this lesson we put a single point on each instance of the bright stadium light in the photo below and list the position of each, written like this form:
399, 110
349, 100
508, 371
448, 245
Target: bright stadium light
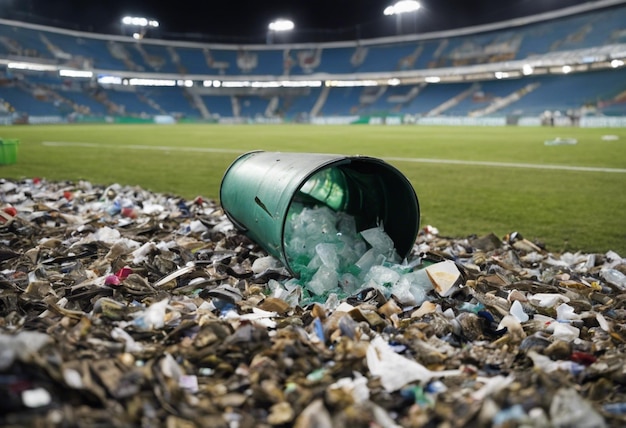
139, 21
139, 25
214, 83
75, 73
527, 69
280, 25
403, 6
31, 66
109, 80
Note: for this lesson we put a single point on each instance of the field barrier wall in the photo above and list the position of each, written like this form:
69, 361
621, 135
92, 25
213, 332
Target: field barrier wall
389, 120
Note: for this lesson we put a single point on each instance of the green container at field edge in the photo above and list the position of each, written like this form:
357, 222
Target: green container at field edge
259, 188
8, 151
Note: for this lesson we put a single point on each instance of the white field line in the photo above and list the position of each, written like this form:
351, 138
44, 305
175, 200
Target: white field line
510, 165
139, 147
398, 159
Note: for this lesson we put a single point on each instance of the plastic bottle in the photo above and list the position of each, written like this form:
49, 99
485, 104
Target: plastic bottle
615, 277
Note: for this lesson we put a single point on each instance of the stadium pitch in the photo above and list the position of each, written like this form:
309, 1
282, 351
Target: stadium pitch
399, 159
469, 180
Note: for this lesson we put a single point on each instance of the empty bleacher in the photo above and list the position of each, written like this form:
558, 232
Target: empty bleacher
85, 104
220, 105
192, 61
386, 57
560, 93
172, 100
484, 94
594, 29
24, 100
298, 105
252, 106
155, 58
130, 102
341, 101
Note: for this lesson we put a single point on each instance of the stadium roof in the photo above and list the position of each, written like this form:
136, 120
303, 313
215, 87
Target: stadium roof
246, 21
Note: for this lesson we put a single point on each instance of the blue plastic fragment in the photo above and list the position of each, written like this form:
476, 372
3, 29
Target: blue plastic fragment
615, 408
513, 413
318, 328
486, 315
183, 208
223, 306
470, 307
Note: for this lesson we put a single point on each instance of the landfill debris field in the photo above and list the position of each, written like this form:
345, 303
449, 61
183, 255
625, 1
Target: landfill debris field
120, 307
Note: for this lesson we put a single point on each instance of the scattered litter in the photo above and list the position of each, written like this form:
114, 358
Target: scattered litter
164, 314
444, 276
558, 141
383, 362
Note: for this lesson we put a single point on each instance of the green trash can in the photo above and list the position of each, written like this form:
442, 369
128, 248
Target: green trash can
259, 187
8, 151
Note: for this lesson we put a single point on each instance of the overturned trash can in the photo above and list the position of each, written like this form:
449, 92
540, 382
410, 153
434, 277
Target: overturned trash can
260, 188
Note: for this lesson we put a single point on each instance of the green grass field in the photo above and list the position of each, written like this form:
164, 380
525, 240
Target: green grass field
568, 210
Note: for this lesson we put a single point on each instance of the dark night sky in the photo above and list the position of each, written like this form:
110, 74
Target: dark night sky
246, 21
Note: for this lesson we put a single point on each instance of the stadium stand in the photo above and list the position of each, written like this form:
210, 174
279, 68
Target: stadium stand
220, 105
566, 60
569, 92
171, 100
297, 106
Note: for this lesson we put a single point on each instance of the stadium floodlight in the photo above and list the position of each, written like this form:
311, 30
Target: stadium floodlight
281, 25
350, 83
212, 83
527, 69
139, 21
31, 66
75, 73
403, 6
501, 75
139, 25
109, 80
136, 81
617, 63
566, 69
432, 79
